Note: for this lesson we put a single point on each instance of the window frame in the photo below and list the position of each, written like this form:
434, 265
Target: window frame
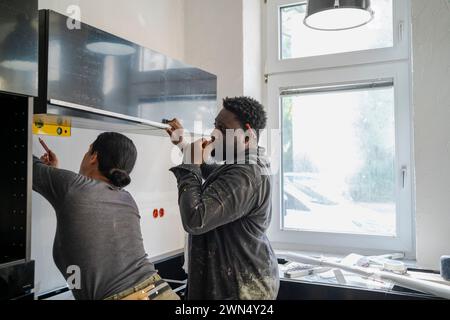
400, 50
339, 242
337, 69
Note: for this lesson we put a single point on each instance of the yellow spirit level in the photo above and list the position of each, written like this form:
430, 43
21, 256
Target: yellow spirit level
52, 125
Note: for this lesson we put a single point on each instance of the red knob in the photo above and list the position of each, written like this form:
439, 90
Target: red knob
162, 212
155, 213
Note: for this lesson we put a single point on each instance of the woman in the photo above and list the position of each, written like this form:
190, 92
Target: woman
98, 224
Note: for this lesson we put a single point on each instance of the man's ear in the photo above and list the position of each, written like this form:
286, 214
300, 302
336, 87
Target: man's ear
250, 133
251, 137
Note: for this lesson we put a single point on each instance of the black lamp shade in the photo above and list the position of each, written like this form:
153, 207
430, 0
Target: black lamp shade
335, 15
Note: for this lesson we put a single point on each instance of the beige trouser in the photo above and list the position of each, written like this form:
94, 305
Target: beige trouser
169, 294
153, 288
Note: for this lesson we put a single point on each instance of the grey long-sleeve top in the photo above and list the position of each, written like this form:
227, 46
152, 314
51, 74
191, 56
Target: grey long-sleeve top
98, 230
227, 217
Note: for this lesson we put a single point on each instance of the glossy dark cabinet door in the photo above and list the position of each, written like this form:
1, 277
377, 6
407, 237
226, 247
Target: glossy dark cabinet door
89, 67
19, 46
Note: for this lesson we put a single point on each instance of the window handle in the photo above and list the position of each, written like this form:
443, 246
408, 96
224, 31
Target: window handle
404, 174
401, 30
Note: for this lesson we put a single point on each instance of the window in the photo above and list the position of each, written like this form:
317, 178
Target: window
299, 41
339, 160
291, 46
342, 102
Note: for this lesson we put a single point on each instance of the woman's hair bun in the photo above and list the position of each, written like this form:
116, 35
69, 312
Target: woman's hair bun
116, 155
119, 178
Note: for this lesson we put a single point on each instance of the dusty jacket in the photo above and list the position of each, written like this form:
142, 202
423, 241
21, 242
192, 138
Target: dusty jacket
227, 217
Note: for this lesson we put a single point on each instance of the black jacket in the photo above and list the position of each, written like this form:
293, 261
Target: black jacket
227, 217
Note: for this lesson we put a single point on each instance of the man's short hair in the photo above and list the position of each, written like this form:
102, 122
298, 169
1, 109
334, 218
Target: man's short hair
248, 111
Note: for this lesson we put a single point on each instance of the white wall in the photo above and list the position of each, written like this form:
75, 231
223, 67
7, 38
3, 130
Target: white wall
224, 37
213, 41
431, 83
253, 48
157, 24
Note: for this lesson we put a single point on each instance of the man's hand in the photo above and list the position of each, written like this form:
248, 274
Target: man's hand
50, 159
176, 131
199, 151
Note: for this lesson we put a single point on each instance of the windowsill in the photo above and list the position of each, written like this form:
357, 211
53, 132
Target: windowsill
410, 263
346, 281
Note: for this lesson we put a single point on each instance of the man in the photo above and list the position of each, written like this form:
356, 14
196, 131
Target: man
98, 223
228, 214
